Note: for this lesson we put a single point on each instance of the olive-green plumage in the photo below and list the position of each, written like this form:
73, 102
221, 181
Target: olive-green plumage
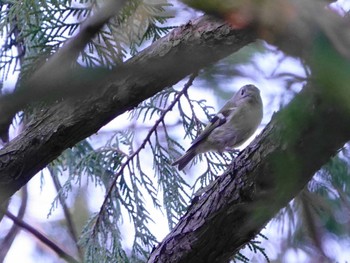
231, 127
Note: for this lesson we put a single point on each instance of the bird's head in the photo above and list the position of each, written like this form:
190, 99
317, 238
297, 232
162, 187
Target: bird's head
248, 93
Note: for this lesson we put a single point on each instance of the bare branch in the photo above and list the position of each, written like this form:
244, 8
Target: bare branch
67, 214
11, 235
41, 237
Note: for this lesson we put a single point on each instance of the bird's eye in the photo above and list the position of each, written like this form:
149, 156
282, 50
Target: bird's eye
242, 92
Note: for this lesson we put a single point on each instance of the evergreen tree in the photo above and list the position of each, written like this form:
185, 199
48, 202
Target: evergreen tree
82, 64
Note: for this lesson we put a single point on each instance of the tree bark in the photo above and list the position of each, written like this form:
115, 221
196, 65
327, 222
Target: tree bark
265, 176
271, 171
278, 164
63, 124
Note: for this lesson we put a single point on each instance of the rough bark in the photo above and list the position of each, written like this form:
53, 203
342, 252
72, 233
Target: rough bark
62, 125
272, 170
281, 161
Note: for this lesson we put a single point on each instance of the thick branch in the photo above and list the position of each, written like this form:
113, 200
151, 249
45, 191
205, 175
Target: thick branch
57, 79
183, 51
281, 161
262, 180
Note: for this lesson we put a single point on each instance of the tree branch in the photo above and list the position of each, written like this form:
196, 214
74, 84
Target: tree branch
278, 164
183, 51
273, 169
262, 179
136, 153
67, 214
11, 235
57, 78
41, 237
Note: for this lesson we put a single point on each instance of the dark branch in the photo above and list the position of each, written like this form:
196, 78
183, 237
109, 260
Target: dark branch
67, 214
41, 237
272, 170
57, 78
14, 230
275, 167
183, 51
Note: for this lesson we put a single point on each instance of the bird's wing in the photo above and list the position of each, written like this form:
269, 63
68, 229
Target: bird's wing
219, 119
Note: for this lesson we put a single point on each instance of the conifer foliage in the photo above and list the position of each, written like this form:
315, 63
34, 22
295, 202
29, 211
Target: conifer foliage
129, 165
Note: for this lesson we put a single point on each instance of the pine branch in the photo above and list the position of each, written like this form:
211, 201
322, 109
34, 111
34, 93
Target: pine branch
48, 82
193, 119
138, 150
66, 123
41, 237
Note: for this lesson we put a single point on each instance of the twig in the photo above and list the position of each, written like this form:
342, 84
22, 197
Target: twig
89, 28
67, 214
194, 116
11, 235
41, 237
143, 144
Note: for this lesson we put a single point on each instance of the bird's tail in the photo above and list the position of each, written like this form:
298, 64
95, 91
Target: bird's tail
185, 159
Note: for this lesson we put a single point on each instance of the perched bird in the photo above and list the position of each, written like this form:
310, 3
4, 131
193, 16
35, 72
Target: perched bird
230, 127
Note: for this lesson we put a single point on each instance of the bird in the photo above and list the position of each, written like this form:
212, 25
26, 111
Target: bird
230, 127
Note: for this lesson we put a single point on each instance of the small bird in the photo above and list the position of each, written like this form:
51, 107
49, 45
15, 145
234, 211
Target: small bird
230, 127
